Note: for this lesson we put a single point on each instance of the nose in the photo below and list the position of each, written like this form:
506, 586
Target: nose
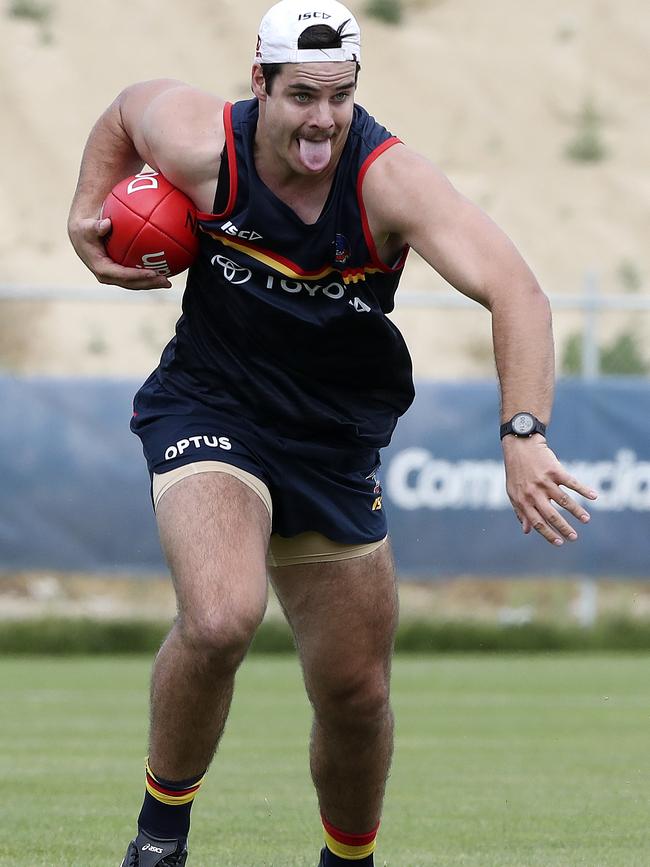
322, 116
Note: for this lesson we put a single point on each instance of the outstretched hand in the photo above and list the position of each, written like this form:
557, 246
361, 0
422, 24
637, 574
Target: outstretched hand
87, 238
535, 481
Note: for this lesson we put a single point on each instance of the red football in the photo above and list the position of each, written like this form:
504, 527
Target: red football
154, 225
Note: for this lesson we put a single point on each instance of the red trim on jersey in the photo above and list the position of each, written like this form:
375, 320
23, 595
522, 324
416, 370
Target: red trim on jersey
370, 241
232, 167
350, 839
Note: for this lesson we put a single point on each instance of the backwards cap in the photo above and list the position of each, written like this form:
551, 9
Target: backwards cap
283, 24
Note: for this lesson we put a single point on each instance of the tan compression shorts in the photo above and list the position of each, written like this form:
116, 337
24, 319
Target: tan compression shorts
309, 547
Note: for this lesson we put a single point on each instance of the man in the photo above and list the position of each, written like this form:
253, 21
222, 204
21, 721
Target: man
263, 422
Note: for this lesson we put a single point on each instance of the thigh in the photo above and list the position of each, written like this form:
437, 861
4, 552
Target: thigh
343, 615
214, 530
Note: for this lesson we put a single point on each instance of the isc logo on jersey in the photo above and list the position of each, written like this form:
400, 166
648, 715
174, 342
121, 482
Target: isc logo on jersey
247, 234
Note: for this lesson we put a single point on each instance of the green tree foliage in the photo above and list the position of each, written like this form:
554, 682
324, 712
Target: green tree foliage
587, 144
622, 357
389, 11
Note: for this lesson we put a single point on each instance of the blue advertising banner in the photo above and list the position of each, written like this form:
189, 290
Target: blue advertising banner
444, 483
74, 491
73, 483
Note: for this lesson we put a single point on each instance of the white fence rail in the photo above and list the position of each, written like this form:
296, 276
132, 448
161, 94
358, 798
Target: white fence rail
591, 301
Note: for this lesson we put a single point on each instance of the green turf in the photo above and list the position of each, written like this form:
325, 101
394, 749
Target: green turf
500, 762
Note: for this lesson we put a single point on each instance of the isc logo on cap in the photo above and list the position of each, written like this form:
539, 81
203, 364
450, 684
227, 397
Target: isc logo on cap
305, 15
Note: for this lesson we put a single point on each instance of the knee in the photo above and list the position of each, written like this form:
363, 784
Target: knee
219, 638
355, 699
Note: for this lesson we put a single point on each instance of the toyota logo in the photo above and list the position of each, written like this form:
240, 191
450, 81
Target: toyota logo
232, 272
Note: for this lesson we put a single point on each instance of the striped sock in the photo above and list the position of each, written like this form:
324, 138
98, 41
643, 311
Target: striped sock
342, 848
166, 808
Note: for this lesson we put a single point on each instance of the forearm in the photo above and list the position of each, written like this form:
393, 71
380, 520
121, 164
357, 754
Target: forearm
416, 203
524, 354
109, 156
119, 145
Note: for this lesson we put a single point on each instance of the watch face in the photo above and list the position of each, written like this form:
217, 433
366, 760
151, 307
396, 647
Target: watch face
523, 423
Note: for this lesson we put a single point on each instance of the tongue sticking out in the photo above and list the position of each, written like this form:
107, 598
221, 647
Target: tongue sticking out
315, 155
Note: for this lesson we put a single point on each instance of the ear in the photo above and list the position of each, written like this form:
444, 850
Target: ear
258, 84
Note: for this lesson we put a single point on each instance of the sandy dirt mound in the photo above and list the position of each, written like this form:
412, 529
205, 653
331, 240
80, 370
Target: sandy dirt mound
492, 92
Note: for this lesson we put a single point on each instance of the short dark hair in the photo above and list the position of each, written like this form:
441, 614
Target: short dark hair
316, 36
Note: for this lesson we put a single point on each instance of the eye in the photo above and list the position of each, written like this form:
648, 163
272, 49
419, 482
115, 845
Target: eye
342, 96
302, 98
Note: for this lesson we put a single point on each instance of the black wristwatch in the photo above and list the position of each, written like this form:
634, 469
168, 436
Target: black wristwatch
523, 424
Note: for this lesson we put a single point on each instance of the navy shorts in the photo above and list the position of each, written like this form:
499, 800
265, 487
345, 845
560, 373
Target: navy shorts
313, 486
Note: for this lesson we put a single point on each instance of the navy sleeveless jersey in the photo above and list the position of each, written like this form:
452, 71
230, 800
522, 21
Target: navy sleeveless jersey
284, 324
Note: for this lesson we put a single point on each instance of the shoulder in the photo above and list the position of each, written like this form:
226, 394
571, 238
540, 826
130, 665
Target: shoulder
185, 105
367, 129
399, 184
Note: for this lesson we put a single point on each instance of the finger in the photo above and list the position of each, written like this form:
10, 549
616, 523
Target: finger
578, 487
108, 271
564, 501
91, 231
521, 520
151, 284
525, 523
103, 227
541, 521
541, 526
141, 282
558, 523
547, 521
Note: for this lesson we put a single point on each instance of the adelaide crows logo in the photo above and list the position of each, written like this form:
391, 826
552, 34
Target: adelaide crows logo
341, 249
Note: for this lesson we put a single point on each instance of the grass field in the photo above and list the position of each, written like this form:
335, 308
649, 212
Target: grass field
500, 762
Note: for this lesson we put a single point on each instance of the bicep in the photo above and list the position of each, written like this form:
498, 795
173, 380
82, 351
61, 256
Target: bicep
137, 106
177, 130
414, 199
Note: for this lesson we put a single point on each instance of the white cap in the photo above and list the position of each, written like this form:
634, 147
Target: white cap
283, 24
